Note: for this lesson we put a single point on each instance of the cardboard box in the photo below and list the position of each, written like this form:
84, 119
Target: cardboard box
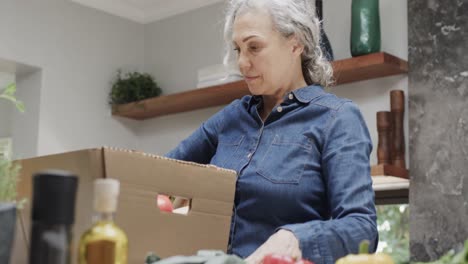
142, 177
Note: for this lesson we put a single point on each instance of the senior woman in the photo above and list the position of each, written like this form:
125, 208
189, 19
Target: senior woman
301, 154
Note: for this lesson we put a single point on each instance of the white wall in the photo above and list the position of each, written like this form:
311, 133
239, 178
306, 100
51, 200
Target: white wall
5, 107
177, 47
78, 50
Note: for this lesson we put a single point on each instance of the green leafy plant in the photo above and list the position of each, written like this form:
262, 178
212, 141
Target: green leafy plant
151, 257
451, 257
9, 171
9, 94
393, 226
133, 86
9, 177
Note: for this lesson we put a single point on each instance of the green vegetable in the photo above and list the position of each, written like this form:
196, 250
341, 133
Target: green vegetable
151, 258
452, 258
365, 258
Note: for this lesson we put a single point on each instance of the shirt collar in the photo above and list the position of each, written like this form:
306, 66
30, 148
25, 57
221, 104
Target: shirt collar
308, 93
304, 95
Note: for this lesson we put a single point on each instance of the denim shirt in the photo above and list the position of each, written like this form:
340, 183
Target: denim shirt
305, 169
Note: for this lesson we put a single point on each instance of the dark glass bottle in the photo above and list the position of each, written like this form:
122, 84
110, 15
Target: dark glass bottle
365, 27
324, 42
53, 215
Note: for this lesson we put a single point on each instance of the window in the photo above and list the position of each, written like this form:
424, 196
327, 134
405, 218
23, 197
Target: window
5, 148
393, 227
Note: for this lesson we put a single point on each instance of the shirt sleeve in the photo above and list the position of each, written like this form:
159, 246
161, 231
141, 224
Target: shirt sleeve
201, 145
346, 172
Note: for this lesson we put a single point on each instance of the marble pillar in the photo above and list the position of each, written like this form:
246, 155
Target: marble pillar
438, 126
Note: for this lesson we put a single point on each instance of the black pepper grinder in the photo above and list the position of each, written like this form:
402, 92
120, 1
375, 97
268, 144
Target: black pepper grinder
53, 215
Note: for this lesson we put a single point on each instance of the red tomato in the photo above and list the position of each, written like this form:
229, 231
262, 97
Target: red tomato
164, 203
281, 259
277, 259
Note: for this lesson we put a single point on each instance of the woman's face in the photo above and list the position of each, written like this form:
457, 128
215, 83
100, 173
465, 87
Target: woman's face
267, 60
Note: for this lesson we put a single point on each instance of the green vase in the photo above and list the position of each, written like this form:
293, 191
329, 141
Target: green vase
365, 27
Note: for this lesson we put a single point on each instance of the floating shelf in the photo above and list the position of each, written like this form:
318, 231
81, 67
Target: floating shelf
390, 183
390, 189
182, 102
355, 69
368, 67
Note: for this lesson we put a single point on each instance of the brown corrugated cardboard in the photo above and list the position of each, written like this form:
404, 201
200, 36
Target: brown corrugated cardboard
142, 177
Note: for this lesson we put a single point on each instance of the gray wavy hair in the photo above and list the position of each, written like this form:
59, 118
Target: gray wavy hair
290, 17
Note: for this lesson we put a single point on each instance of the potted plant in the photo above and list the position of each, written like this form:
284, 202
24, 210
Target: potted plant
9, 173
131, 87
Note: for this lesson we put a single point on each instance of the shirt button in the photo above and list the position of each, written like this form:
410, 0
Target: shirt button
291, 96
279, 109
249, 155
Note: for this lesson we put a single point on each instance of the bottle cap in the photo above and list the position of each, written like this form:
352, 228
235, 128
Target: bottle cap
106, 193
54, 195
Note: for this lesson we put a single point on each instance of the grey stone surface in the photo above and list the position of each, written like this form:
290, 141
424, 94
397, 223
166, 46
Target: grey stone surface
438, 126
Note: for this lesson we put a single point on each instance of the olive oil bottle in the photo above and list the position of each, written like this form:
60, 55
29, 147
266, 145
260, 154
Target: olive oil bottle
104, 242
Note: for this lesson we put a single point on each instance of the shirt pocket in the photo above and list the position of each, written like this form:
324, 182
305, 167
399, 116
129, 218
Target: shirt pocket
226, 150
285, 159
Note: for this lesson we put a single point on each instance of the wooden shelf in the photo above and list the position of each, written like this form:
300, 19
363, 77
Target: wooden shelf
390, 183
390, 189
368, 67
349, 70
182, 102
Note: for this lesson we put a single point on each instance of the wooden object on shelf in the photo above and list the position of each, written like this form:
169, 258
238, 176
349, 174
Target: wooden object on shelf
385, 135
349, 70
397, 105
389, 170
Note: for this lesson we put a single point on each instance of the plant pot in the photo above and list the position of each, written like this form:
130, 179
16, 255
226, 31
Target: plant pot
7, 230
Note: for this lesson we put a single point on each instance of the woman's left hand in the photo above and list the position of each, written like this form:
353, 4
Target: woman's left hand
282, 242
